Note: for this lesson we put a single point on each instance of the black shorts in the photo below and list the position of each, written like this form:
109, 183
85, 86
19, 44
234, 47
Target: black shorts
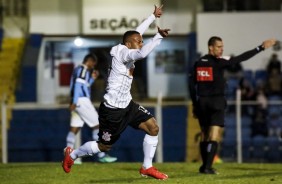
211, 111
112, 122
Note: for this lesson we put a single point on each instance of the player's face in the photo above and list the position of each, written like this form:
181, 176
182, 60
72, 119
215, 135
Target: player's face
136, 41
91, 63
216, 49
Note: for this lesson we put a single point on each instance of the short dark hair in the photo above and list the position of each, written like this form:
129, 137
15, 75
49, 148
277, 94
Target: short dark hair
90, 56
127, 34
213, 39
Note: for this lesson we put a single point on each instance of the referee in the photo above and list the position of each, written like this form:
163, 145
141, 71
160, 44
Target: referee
207, 86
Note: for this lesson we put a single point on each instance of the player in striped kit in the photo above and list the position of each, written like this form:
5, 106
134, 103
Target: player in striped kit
82, 110
118, 110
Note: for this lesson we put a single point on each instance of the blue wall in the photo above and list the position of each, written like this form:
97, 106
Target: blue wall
39, 136
27, 90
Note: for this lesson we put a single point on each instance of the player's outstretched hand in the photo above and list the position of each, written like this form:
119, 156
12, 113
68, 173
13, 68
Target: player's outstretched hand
72, 107
268, 43
158, 11
163, 32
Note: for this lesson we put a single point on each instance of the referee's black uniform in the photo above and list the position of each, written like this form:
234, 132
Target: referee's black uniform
207, 87
207, 84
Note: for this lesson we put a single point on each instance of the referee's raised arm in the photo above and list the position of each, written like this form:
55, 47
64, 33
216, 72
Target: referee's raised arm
249, 54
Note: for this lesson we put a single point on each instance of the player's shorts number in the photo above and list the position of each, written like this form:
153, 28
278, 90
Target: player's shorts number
141, 108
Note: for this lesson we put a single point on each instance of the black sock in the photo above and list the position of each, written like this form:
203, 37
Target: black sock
203, 151
211, 149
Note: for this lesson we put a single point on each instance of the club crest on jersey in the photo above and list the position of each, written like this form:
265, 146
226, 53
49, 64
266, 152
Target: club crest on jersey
204, 74
106, 136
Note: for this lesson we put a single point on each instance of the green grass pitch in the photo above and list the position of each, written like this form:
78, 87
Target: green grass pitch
123, 173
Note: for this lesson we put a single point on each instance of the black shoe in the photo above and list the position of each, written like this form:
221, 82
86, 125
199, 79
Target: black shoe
201, 169
207, 171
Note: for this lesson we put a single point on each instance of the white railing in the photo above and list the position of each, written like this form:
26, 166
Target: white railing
158, 111
238, 126
238, 103
4, 132
29, 106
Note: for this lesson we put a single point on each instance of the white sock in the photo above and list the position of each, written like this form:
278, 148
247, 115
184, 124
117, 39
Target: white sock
149, 149
70, 139
101, 154
96, 138
88, 149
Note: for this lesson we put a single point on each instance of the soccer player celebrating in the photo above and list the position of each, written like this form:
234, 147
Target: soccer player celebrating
117, 111
207, 86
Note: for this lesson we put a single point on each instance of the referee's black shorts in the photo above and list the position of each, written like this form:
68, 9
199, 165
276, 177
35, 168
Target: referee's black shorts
211, 111
113, 121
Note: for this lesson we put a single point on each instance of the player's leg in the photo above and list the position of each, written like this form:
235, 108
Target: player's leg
102, 156
71, 136
141, 118
217, 159
208, 149
217, 108
88, 149
75, 124
90, 116
213, 109
149, 148
79, 116
150, 141
212, 145
204, 121
112, 122
203, 147
95, 137
71, 140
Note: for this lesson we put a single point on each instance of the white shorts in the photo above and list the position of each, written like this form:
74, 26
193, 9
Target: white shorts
84, 113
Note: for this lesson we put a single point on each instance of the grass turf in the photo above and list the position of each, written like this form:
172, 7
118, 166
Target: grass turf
182, 173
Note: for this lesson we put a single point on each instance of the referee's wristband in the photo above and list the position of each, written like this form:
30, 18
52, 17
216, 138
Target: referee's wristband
260, 48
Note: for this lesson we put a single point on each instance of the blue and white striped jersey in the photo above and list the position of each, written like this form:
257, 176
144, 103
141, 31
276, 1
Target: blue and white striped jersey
80, 83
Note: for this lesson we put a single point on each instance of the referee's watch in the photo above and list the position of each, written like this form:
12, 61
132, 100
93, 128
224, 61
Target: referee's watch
260, 48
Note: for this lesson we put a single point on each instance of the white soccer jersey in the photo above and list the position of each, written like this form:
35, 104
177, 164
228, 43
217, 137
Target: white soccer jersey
122, 66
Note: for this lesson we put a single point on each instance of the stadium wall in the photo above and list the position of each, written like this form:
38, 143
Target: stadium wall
91, 17
39, 135
241, 32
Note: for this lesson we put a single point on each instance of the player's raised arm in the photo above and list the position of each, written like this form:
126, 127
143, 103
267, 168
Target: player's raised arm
147, 22
158, 11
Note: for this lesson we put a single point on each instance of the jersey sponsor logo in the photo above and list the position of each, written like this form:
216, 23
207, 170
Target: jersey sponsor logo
204, 74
